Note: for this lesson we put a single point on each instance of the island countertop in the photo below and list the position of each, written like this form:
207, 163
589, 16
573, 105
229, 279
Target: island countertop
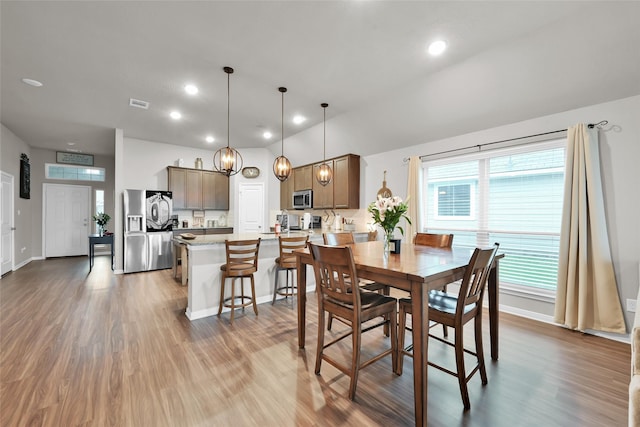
214, 239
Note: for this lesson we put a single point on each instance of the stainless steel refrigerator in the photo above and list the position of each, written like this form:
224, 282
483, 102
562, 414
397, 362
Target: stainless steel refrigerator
147, 230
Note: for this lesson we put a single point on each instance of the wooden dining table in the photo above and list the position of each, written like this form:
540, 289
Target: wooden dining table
416, 269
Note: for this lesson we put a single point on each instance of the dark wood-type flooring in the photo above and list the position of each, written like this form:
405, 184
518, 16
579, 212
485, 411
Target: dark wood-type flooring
99, 349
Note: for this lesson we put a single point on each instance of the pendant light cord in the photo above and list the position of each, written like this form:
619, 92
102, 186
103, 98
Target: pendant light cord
282, 125
228, 109
324, 131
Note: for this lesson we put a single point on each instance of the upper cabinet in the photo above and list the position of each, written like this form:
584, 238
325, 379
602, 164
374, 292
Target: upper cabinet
346, 182
198, 189
303, 178
322, 194
343, 192
286, 192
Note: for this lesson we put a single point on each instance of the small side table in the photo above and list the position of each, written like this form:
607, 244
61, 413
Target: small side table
96, 239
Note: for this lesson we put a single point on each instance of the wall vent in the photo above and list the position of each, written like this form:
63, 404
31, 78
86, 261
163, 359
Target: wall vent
138, 103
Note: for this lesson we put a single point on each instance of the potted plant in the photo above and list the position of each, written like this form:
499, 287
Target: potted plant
101, 219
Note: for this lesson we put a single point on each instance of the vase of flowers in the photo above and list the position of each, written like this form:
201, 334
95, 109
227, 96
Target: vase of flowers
101, 219
387, 213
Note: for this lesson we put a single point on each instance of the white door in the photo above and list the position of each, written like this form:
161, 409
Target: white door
6, 219
67, 219
251, 208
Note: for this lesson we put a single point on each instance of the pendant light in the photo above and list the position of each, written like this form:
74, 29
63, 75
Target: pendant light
324, 173
227, 160
282, 165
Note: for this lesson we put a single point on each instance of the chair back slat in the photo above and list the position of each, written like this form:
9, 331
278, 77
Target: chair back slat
244, 252
335, 273
338, 239
287, 246
433, 240
475, 278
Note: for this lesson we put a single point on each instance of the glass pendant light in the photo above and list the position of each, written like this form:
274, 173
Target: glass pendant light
227, 160
282, 165
324, 174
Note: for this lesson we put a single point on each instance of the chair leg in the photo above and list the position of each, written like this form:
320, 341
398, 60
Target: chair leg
222, 282
355, 358
385, 291
394, 341
445, 332
329, 322
320, 347
233, 297
479, 348
275, 287
253, 295
462, 381
401, 336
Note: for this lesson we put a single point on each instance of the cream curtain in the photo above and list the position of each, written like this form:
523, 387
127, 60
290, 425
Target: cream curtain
587, 294
415, 198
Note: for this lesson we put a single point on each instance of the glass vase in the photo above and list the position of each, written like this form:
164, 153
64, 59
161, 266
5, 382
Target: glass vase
100, 230
388, 235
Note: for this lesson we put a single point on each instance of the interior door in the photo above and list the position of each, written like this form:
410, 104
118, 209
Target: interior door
6, 221
66, 219
251, 208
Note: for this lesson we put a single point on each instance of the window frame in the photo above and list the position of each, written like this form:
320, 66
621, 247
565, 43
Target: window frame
482, 229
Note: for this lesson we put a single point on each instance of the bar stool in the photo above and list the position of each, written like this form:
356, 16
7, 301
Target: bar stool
287, 261
242, 262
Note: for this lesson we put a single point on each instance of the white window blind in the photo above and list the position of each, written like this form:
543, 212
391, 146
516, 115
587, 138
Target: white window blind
512, 196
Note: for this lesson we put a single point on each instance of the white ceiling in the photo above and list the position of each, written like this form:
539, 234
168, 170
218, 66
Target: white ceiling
506, 62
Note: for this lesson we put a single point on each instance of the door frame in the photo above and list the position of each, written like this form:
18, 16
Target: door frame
10, 199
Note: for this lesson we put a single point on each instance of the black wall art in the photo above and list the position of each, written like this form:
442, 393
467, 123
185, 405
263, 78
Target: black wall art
25, 177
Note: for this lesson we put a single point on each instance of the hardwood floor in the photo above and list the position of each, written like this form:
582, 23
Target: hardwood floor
99, 349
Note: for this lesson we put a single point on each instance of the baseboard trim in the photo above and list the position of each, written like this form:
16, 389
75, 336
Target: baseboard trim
626, 338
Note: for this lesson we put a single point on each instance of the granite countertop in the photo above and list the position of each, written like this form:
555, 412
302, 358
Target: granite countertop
212, 239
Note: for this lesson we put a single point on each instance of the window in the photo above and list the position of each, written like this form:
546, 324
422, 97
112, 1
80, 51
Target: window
73, 173
512, 196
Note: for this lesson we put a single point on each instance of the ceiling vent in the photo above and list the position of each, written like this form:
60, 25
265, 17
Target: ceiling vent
138, 103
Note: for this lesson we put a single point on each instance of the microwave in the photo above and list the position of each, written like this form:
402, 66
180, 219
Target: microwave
303, 199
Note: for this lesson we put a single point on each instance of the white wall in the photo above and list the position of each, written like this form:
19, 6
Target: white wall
10, 149
620, 152
144, 166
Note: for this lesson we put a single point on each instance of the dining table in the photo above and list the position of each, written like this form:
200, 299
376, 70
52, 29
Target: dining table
416, 269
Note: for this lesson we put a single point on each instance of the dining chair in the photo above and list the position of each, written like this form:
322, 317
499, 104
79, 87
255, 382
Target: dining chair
242, 262
287, 262
335, 270
435, 241
346, 238
455, 312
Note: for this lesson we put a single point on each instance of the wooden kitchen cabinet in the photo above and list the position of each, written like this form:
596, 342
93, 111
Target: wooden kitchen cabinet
197, 189
303, 178
177, 185
322, 195
286, 192
346, 182
215, 191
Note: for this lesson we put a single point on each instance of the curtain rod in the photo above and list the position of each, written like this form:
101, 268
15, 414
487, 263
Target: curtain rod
599, 125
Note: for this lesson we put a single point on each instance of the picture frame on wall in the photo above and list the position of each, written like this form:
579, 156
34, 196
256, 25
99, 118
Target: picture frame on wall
74, 158
25, 177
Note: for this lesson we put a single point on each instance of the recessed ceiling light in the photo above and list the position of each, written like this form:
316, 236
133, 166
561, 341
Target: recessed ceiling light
191, 89
209, 139
299, 119
267, 135
437, 47
175, 115
32, 82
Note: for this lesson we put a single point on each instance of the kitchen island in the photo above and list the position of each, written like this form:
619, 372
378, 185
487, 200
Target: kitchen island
206, 253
